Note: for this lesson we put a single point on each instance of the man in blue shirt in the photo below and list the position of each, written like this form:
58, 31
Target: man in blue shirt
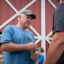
17, 41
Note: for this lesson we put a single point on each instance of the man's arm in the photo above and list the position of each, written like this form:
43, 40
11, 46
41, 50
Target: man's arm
56, 48
11, 47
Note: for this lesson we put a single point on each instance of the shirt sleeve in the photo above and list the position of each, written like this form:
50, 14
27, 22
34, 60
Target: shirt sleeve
6, 35
58, 19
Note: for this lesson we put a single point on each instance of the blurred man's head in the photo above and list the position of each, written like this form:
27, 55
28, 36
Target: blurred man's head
25, 18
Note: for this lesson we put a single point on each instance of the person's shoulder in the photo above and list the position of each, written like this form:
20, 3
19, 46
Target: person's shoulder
9, 27
42, 55
62, 4
60, 7
29, 32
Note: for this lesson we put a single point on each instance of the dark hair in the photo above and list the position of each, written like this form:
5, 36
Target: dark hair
42, 50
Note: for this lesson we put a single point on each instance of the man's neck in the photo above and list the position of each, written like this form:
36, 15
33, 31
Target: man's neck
21, 26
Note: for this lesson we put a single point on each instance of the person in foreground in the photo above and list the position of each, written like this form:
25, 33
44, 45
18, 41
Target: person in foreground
55, 52
17, 42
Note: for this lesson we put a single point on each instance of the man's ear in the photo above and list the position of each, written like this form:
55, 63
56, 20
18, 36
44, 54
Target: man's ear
19, 16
